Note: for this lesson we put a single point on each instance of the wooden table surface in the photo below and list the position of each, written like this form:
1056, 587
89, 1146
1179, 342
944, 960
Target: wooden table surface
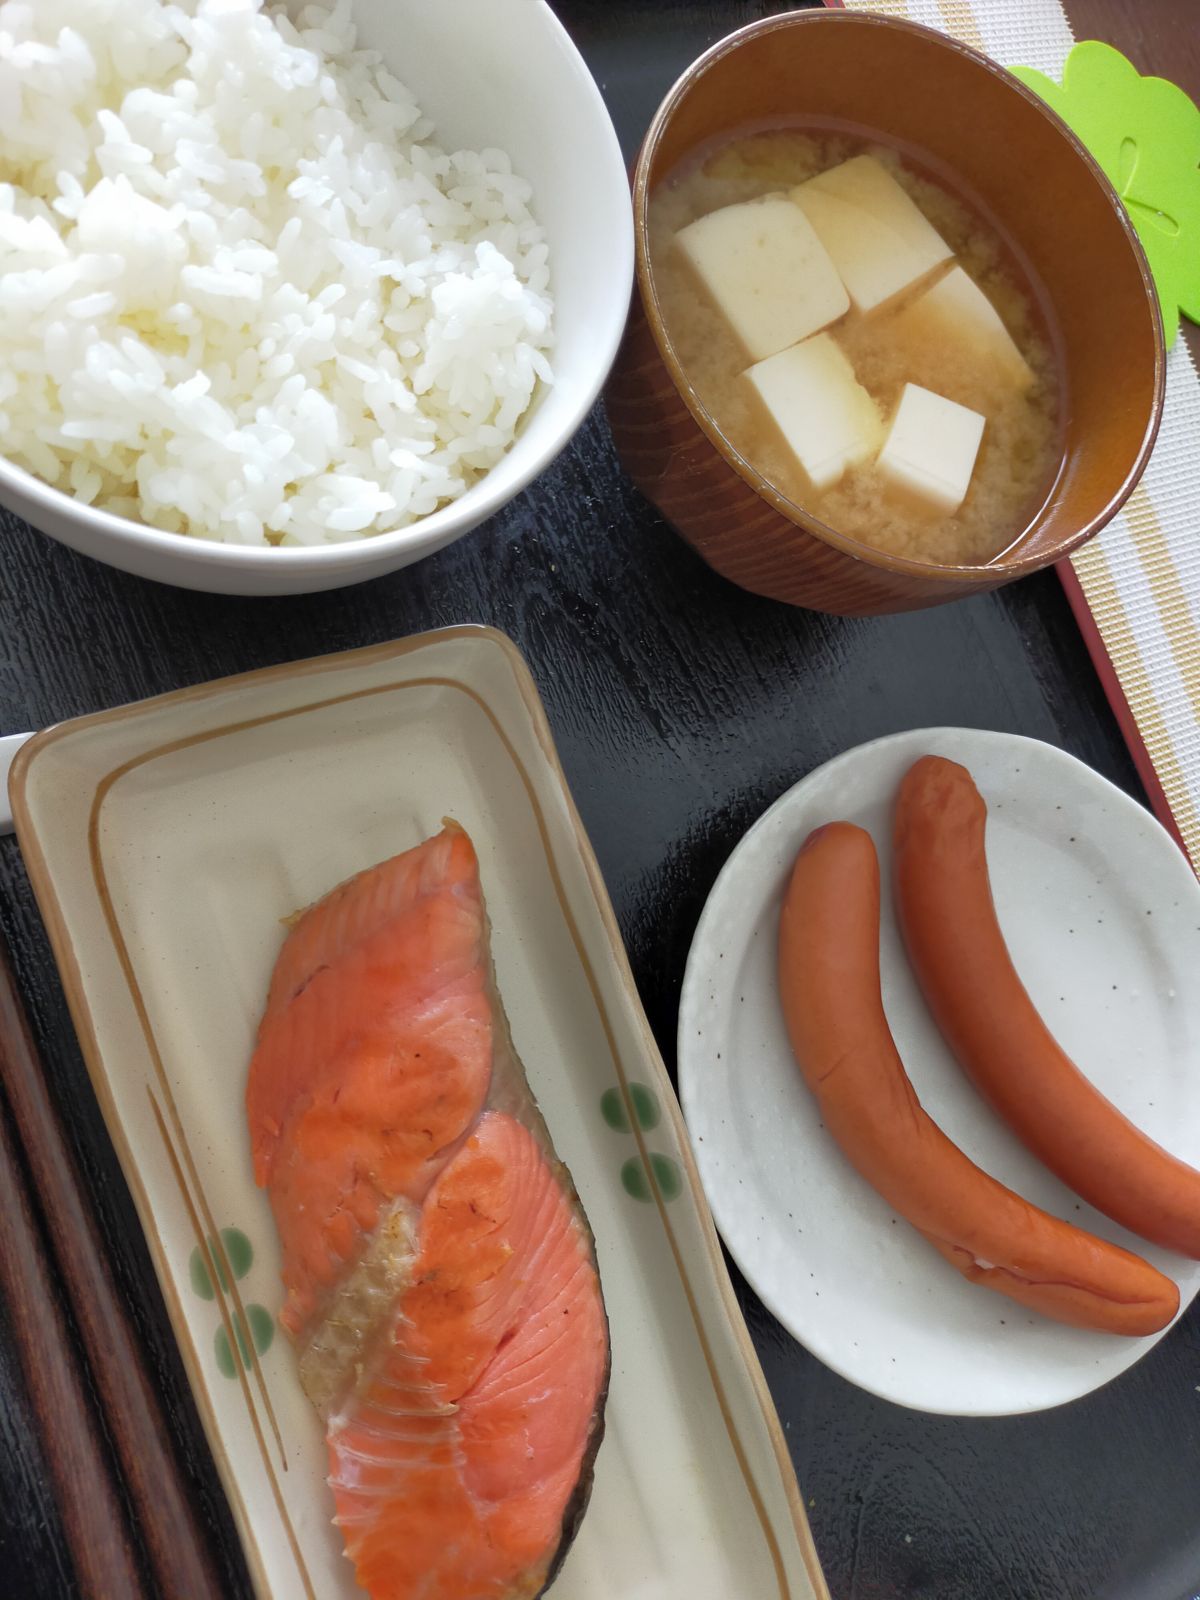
681, 707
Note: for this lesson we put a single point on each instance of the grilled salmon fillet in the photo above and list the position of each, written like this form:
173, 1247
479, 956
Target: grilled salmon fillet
440, 1277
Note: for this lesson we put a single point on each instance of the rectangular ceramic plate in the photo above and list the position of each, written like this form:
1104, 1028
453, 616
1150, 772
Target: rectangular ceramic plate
165, 842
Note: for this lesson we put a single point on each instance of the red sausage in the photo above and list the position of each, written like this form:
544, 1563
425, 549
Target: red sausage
944, 904
829, 984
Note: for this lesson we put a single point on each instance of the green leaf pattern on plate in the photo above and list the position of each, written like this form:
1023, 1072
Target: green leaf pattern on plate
635, 1178
254, 1328
645, 1108
666, 1175
239, 1253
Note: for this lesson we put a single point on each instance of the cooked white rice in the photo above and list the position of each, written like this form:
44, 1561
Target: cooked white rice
243, 294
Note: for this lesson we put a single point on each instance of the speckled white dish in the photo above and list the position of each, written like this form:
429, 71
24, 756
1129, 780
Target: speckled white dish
1102, 914
165, 841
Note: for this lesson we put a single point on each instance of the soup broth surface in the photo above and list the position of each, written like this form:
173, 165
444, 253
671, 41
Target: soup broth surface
1020, 450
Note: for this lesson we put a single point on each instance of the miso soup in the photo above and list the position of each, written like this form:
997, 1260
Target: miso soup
863, 338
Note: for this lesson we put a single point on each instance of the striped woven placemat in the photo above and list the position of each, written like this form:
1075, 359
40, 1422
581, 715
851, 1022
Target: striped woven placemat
1135, 589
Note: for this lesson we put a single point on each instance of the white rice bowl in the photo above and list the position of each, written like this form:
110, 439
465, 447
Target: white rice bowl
243, 293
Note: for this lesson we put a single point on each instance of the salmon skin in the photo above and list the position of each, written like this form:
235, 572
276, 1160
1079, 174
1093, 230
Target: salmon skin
440, 1277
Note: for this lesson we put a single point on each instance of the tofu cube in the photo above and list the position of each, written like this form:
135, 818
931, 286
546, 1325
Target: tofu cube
766, 271
880, 240
827, 419
929, 454
957, 313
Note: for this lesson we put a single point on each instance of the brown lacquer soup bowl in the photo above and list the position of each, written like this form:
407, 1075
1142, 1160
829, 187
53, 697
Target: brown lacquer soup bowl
961, 115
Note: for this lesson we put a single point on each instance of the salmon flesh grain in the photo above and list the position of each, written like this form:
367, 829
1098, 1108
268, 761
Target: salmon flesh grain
440, 1277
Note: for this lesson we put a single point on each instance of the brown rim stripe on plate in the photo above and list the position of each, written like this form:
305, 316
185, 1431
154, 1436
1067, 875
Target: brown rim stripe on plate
100, 878
198, 1233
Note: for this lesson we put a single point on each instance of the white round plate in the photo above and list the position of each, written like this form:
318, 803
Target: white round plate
1102, 915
